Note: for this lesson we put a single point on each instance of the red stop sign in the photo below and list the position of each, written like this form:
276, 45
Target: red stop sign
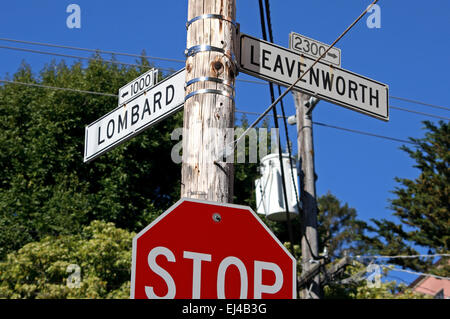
207, 250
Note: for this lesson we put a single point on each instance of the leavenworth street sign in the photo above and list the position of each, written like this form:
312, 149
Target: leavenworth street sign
325, 81
147, 108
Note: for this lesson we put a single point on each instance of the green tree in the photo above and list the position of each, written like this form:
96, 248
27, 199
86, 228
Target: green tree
41, 269
421, 205
45, 188
353, 285
339, 228
246, 173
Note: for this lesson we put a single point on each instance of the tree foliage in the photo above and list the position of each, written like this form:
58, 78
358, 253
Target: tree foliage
45, 188
421, 205
340, 231
358, 287
41, 269
56, 210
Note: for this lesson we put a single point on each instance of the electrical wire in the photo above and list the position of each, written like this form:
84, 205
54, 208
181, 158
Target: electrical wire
401, 256
392, 268
313, 255
63, 55
343, 129
283, 116
390, 96
363, 133
280, 151
80, 57
183, 61
58, 88
256, 113
91, 50
301, 77
238, 111
418, 102
420, 113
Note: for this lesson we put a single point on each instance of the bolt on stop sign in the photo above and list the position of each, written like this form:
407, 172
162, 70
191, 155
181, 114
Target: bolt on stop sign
206, 250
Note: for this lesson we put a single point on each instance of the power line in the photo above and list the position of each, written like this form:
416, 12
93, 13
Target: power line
91, 50
256, 113
78, 57
301, 77
238, 111
275, 118
269, 24
363, 133
401, 256
392, 268
297, 199
58, 88
390, 96
406, 110
252, 81
183, 61
100, 51
64, 55
343, 129
418, 102
420, 113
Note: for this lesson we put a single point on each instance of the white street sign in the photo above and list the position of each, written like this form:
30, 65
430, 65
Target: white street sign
138, 85
325, 81
128, 120
314, 48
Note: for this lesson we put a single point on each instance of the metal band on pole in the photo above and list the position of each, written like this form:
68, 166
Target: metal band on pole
211, 79
205, 48
208, 48
214, 91
211, 16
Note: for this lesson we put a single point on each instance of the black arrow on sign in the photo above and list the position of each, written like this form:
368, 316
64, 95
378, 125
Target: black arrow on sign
125, 94
334, 56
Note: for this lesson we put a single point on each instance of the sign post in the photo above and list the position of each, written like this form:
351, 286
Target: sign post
209, 101
220, 251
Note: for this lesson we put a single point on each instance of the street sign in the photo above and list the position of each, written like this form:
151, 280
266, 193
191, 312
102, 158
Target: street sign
325, 81
314, 48
148, 108
143, 82
208, 250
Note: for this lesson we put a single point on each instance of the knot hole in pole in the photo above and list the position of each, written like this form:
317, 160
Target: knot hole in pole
217, 67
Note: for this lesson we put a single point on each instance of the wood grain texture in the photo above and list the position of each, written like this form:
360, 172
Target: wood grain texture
309, 241
208, 113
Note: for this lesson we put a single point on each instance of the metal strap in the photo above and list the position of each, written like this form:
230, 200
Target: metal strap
205, 48
214, 91
211, 16
208, 78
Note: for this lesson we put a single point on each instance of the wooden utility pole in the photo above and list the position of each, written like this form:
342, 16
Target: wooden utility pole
209, 103
310, 246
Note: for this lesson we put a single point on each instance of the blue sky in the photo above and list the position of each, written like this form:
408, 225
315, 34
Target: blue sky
409, 53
